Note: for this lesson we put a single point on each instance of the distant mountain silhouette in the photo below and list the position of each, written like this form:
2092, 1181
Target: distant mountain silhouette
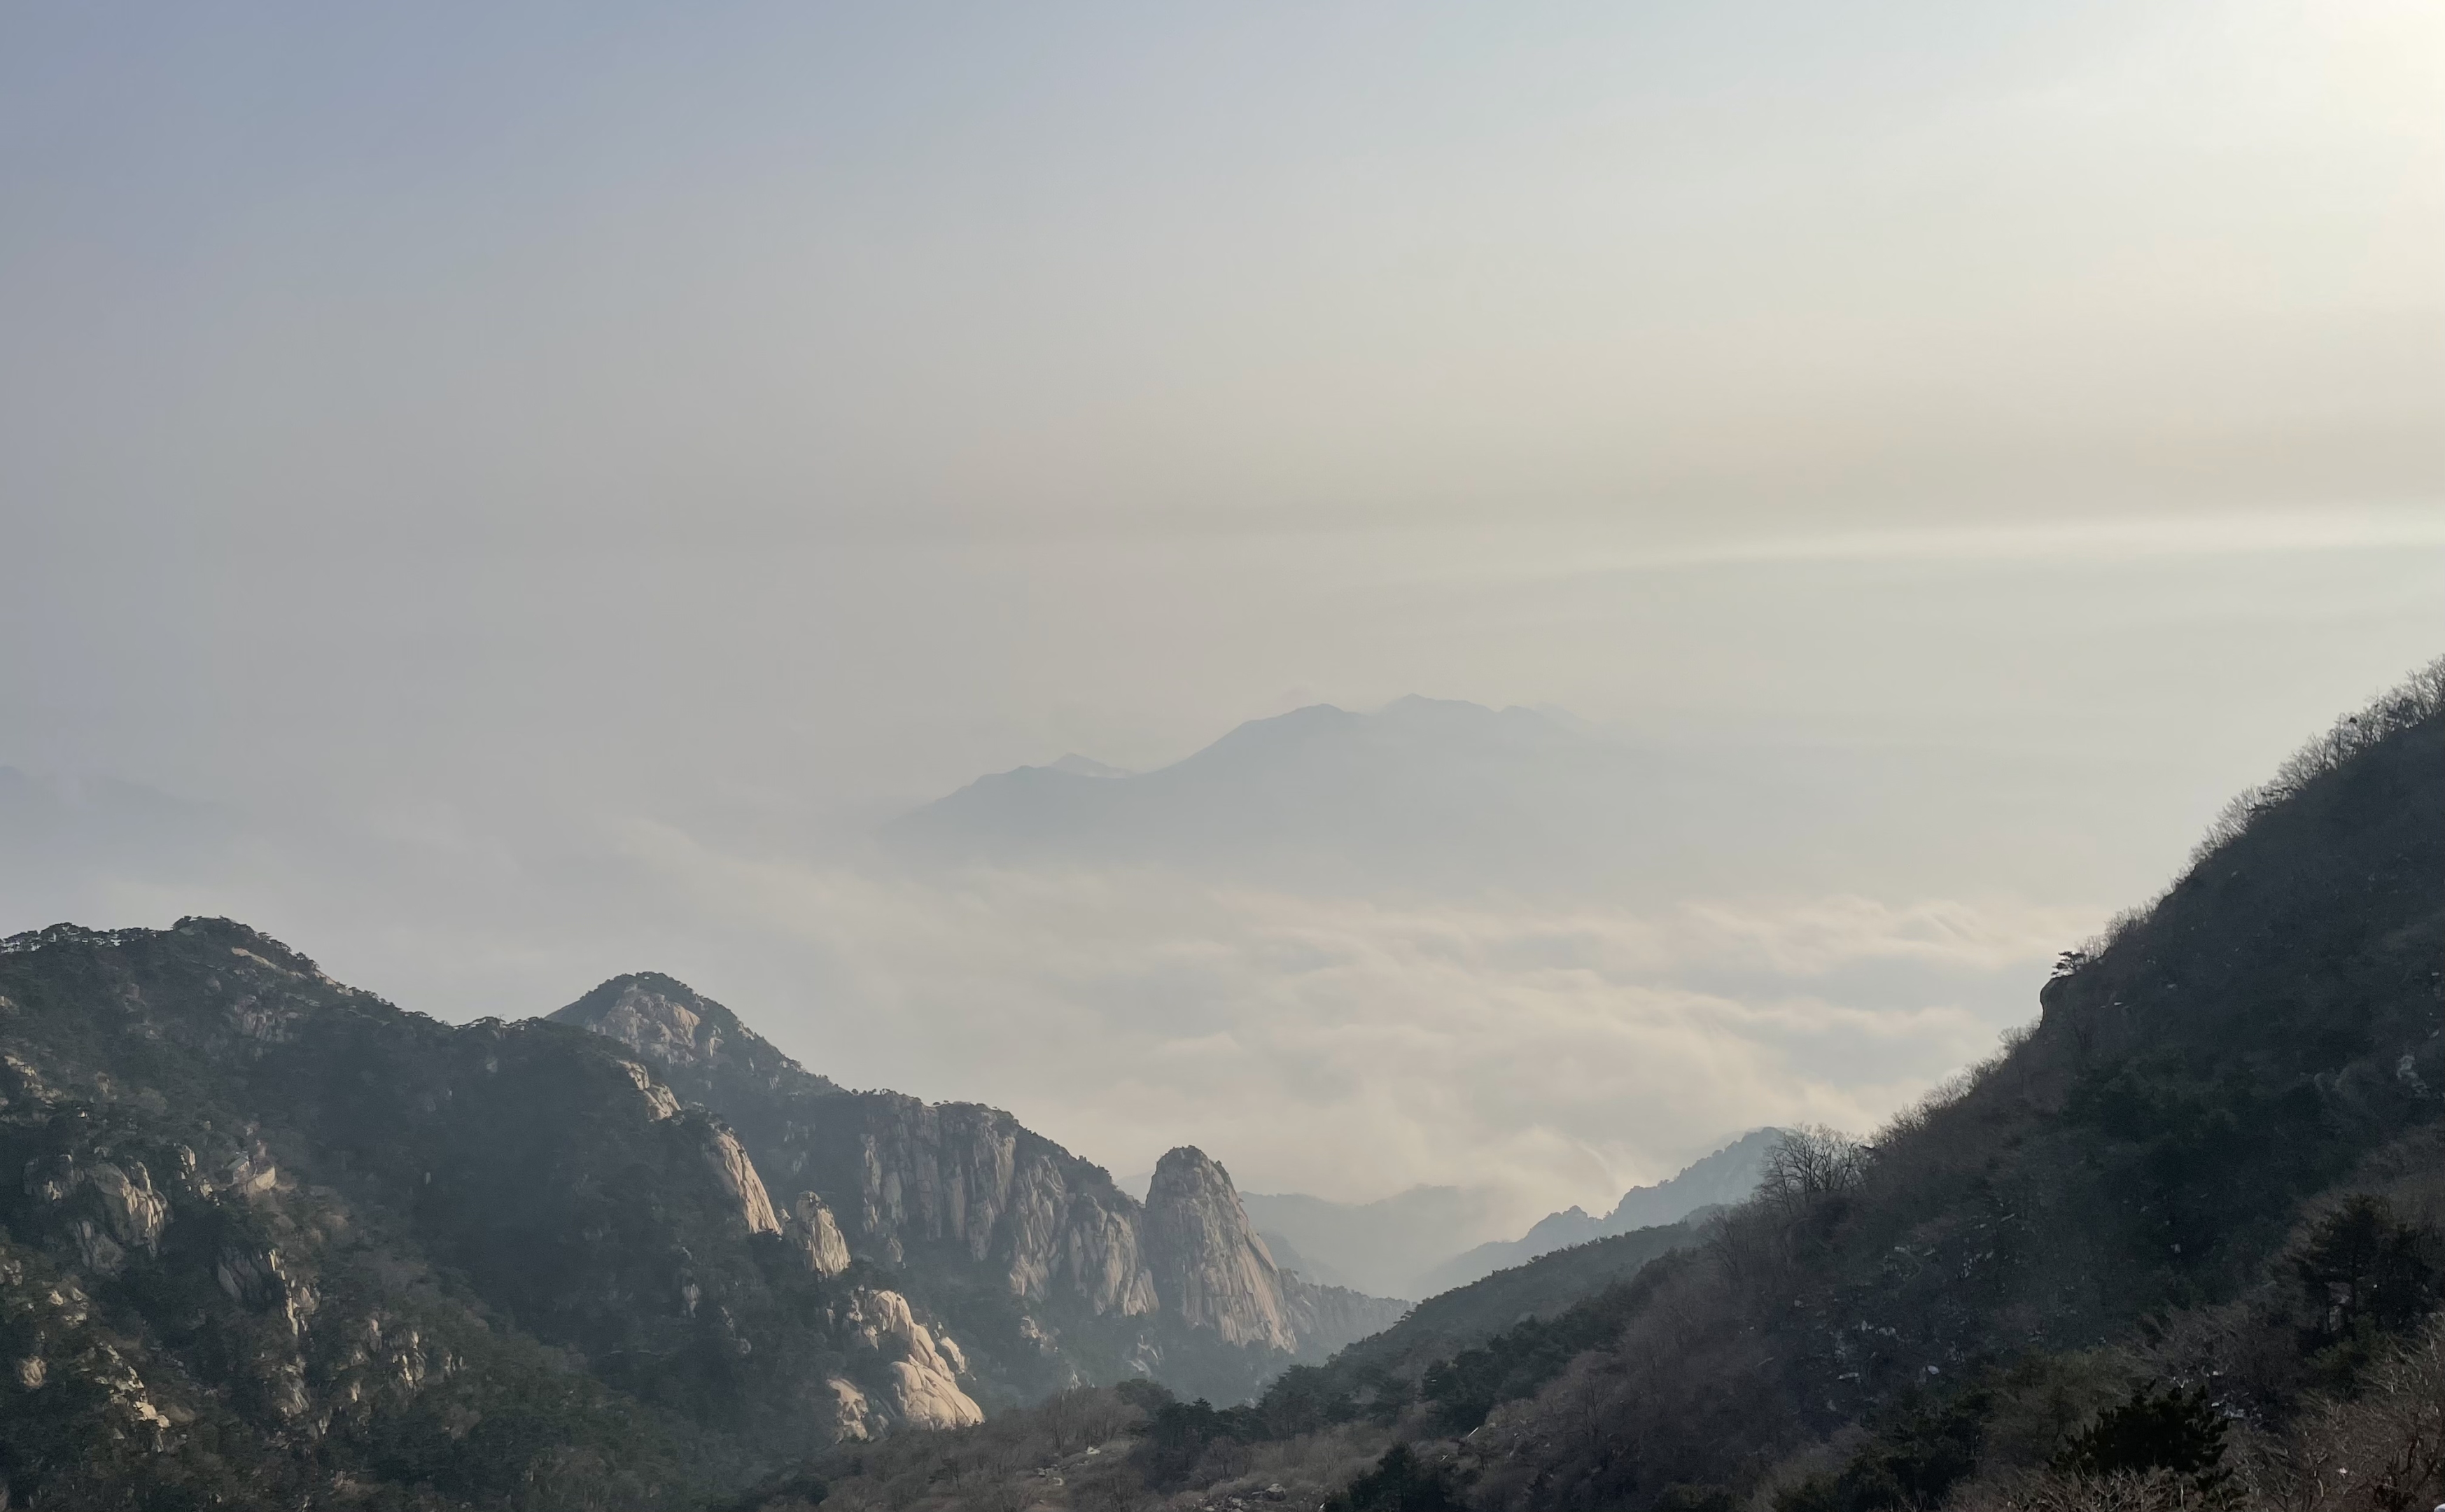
1384, 1246
1447, 799
1728, 1176
1425, 790
1080, 766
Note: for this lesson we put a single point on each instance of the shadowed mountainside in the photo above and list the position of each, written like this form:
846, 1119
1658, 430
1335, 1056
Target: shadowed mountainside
277, 1239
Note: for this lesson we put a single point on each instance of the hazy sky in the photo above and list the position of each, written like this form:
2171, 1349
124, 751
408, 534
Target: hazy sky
540, 481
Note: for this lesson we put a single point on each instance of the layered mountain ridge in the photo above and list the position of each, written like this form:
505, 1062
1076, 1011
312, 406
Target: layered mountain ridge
1429, 789
1719, 1180
1443, 797
966, 1199
1382, 1245
278, 1241
2179, 1244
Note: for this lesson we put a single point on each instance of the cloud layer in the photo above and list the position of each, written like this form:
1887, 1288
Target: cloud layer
1352, 1047
1343, 1045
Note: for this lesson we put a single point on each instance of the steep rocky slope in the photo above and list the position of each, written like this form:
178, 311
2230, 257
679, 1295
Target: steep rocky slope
271, 1241
1050, 1274
1215, 1272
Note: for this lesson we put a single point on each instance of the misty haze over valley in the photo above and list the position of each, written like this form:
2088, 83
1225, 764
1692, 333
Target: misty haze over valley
1673, 759
1382, 933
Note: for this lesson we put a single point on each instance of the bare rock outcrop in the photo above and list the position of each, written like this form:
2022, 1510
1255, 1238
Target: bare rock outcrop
919, 1374
119, 1208
813, 1231
659, 1025
1210, 1268
906, 1181
968, 1176
660, 1104
1327, 1317
738, 1176
959, 1195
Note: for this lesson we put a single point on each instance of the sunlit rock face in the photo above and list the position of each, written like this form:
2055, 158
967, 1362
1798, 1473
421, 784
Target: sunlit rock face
659, 1025
813, 1231
659, 1102
1080, 1242
954, 1197
1210, 1268
907, 1183
970, 1178
738, 1176
920, 1371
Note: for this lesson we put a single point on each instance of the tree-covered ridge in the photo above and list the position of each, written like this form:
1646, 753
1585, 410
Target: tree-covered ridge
277, 1242
2143, 1175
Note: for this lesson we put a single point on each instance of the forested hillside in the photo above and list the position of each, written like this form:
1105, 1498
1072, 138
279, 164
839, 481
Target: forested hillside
2181, 1244
277, 1243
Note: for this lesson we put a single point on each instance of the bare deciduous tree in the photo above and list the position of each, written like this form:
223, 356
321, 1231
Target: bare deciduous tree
1809, 1164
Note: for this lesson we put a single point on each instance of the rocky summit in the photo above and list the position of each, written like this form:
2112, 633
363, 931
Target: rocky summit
1052, 1276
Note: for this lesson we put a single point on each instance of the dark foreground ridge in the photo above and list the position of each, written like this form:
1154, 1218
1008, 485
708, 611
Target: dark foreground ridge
278, 1241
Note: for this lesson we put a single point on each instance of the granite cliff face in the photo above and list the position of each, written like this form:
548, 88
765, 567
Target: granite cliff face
905, 1178
736, 1174
921, 1371
1211, 1269
950, 1196
815, 1233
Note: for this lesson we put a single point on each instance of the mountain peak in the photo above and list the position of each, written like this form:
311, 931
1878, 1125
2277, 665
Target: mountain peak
1423, 791
1413, 704
1082, 766
677, 1027
1209, 1266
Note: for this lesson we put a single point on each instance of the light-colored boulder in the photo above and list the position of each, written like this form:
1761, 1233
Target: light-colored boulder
654, 1024
660, 1104
924, 1389
816, 1234
134, 1211
854, 1418
738, 1176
